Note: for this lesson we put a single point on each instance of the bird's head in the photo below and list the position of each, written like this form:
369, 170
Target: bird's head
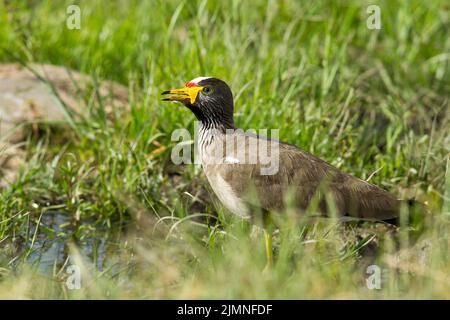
210, 99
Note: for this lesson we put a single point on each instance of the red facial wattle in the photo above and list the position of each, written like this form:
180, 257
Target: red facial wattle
190, 84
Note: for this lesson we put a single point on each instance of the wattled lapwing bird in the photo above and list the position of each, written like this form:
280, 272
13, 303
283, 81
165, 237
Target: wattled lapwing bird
235, 165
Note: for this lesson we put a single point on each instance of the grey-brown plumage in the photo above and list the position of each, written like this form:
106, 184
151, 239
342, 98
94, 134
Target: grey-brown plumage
301, 176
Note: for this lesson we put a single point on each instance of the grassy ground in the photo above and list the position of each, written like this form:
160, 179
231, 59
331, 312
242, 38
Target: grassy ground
103, 196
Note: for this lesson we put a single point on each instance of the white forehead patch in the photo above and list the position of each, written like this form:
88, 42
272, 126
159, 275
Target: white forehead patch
198, 79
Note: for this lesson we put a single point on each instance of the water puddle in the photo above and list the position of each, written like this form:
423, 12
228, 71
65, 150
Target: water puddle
49, 247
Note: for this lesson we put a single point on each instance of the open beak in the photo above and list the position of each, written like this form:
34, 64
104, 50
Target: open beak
186, 93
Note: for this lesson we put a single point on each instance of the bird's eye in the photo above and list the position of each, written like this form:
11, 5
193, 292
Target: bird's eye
207, 90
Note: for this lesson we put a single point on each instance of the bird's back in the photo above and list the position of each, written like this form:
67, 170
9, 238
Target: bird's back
300, 176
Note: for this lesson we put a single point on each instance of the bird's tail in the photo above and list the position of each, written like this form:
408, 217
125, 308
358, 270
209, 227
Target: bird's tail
411, 213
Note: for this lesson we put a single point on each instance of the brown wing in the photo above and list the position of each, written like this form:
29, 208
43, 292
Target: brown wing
305, 176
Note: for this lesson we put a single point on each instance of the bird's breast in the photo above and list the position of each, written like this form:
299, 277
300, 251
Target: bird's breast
225, 193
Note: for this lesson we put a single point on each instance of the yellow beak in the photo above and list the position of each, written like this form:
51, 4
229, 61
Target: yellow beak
186, 93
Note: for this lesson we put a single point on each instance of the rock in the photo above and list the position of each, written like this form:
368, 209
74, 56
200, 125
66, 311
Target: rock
25, 99
11, 157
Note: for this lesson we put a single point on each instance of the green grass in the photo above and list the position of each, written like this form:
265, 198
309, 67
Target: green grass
364, 100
